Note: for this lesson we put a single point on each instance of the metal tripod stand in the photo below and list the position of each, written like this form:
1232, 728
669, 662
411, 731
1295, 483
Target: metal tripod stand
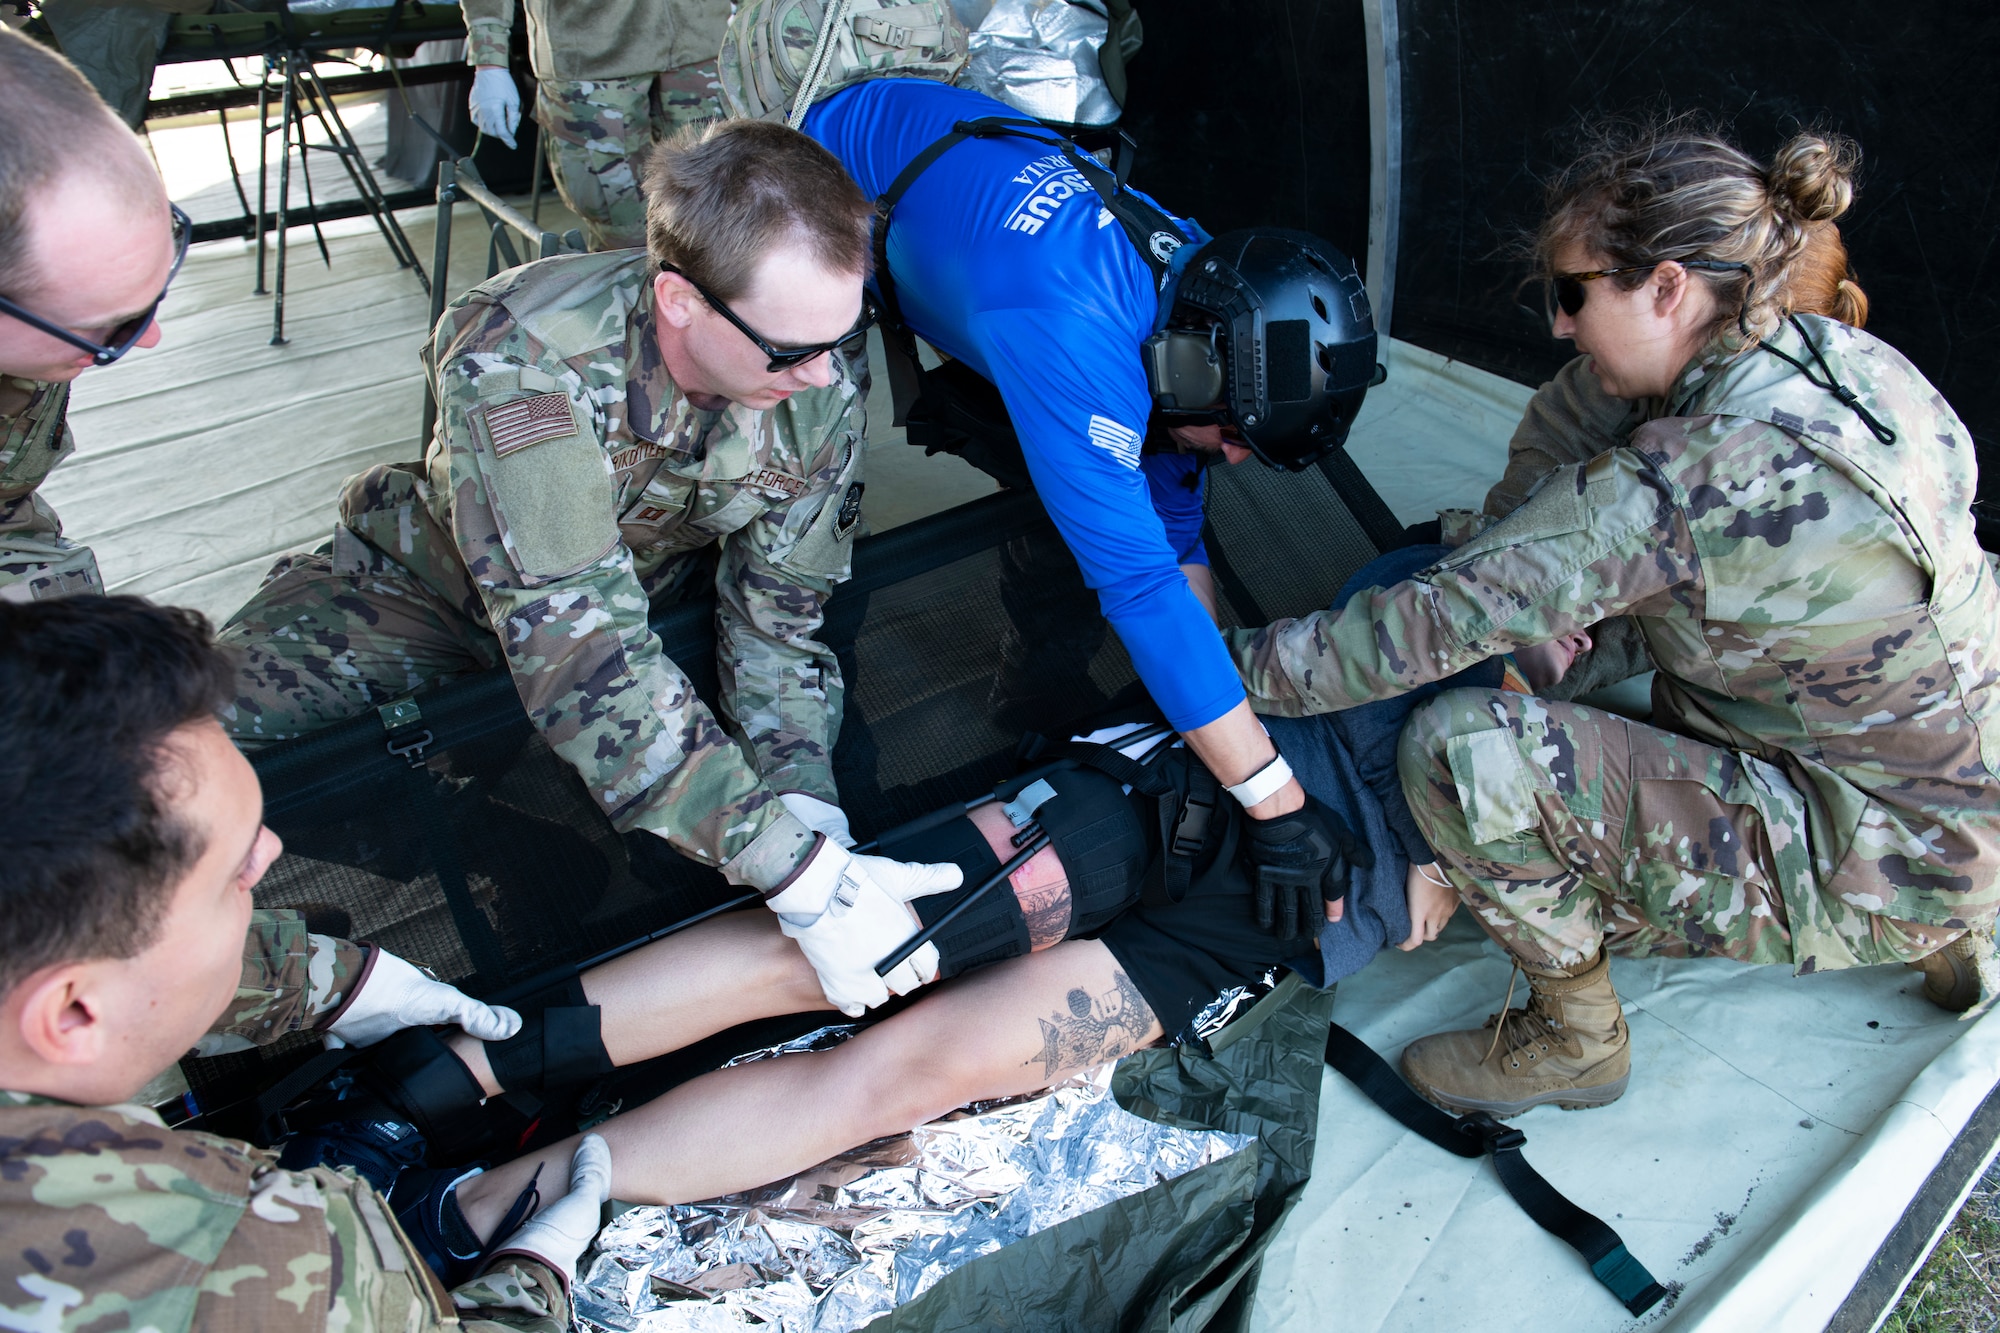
291, 73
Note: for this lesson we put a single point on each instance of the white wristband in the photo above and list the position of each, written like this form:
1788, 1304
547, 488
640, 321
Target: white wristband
1263, 784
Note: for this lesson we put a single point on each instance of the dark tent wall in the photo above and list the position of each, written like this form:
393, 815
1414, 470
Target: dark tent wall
1257, 111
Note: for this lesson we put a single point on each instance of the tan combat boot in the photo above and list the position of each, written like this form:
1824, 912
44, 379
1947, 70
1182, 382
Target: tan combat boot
1570, 1046
1951, 975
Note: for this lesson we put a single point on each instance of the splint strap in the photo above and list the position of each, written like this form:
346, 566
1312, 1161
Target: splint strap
1480, 1135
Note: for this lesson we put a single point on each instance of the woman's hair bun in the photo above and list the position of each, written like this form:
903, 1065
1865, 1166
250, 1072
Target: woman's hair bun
1812, 177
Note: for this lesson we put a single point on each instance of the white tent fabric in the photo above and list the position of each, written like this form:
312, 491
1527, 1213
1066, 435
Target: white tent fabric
1774, 1130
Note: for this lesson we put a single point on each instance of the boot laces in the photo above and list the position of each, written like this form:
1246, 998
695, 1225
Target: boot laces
1522, 1029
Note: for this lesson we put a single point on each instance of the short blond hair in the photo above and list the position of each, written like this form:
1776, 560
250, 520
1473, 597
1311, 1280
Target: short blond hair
1641, 195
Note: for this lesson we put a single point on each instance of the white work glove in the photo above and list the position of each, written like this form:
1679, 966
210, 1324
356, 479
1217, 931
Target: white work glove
820, 817
397, 996
495, 103
560, 1233
847, 913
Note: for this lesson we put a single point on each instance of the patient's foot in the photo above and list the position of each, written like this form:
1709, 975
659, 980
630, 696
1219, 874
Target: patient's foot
1570, 1046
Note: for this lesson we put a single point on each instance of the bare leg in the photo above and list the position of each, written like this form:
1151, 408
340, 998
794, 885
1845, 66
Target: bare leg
997, 1032
731, 970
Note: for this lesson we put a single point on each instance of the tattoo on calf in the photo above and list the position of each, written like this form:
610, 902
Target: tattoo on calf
1093, 1030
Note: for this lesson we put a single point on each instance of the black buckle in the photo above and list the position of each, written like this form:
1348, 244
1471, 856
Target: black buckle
1191, 829
407, 738
1493, 1135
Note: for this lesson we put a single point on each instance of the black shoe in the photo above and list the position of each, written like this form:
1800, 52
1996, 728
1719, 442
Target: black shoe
370, 1138
426, 1204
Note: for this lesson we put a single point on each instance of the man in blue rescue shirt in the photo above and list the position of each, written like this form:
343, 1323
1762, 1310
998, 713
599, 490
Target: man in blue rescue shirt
1002, 255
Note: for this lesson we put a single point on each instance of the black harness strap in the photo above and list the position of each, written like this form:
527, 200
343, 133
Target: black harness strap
268, 1106
1480, 1135
1141, 221
407, 740
1187, 819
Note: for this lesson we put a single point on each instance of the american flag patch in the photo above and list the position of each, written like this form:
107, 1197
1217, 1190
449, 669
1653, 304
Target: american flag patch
1116, 439
526, 421
771, 480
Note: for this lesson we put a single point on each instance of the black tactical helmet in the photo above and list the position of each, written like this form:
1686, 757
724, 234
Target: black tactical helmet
1289, 318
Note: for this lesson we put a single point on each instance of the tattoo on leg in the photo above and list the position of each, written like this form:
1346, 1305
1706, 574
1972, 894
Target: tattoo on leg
1091, 1031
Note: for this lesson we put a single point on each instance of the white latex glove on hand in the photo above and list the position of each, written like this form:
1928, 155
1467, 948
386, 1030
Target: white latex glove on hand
495, 103
820, 817
560, 1233
848, 913
397, 996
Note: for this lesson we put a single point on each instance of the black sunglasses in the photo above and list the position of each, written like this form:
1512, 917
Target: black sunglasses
126, 336
1568, 292
782, 358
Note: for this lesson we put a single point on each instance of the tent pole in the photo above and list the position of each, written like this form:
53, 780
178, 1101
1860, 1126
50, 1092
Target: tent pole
1385, 146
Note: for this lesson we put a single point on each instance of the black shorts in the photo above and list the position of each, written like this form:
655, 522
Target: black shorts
1182, 957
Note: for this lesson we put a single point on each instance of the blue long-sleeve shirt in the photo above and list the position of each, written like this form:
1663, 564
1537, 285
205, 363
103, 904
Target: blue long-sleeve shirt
1005, 258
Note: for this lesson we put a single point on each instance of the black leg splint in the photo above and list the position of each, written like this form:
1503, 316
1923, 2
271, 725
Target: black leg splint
417, 1073
559, 1046
989, 930
1480, 1135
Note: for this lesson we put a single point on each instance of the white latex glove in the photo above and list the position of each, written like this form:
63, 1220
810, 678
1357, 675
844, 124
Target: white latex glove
560, 1233
820, 817
848, 913
495, 103
397, 996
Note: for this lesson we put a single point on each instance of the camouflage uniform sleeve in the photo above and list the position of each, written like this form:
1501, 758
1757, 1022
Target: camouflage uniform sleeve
1599, 540
361, 1267
488, 25
516, 1293
537, 527
1571, 419
36, 560
114, 1220
293, 981
781, 687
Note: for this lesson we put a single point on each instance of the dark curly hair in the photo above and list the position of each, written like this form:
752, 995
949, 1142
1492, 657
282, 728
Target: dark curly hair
94, 686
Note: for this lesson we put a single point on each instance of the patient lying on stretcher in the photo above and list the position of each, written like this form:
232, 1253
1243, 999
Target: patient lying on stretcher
1082, 955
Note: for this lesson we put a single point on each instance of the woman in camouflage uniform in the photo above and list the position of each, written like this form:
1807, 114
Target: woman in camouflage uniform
1571, 419
1789, 527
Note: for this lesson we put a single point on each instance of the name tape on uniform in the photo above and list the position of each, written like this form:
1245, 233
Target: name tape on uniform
771, 480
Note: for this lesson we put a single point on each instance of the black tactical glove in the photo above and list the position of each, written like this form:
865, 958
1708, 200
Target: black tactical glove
1300, 862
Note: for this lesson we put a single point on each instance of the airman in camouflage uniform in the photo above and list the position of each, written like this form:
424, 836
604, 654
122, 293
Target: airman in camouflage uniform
612, 76
570, 481
114, 1220
1823, 784
36, 560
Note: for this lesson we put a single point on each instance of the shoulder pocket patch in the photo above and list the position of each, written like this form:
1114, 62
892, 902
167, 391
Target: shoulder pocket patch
827, 547
548, 486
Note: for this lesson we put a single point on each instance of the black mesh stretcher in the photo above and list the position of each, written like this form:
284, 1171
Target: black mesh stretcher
488, 863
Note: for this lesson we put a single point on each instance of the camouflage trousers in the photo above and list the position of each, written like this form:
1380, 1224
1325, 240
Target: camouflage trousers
346, 628
384, 609
596, 127
1567, 829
